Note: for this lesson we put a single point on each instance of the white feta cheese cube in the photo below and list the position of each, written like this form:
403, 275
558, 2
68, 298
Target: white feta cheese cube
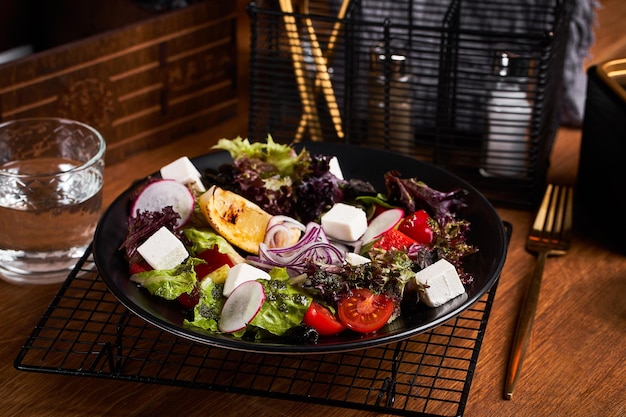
356, 259
344, 222
335, 168
442, 281
241, 273
183, 170
163, 250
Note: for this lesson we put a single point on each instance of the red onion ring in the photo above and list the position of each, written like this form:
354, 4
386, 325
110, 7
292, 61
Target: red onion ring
313, 246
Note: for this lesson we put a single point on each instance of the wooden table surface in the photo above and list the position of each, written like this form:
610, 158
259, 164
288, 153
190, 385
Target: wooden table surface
574, 365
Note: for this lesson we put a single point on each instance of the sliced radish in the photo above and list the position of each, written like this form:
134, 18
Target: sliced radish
162, 193
382, 223
241, 307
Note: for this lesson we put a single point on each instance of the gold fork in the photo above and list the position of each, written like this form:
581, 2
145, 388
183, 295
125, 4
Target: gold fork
550, 235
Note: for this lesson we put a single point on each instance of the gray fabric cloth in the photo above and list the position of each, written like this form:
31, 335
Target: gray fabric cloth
581, 38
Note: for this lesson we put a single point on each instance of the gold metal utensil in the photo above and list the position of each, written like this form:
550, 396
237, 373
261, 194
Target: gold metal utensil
307, 98
550, 235
322, 75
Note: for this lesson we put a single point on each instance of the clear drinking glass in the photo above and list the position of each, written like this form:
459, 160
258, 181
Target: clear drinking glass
51, 175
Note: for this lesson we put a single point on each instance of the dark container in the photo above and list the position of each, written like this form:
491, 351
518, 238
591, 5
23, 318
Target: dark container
601, 200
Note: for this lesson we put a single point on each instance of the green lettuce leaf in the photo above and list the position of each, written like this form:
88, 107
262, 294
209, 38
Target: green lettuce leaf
283, 157
203, 239
206, 313
284, 306
169, 283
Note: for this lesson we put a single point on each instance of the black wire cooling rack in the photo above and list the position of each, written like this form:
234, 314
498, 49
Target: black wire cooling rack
86, 331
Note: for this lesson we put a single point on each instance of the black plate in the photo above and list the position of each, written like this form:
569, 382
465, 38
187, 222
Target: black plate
487, 233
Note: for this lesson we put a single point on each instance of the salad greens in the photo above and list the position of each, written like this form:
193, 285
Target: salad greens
388, 273
142, 226
272, 157
284, 305
200, 239
300, 185
412, 195
450, 232
206, 313
281, 181
283, 309
170, 283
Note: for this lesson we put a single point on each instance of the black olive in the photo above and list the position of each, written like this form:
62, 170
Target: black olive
302, 335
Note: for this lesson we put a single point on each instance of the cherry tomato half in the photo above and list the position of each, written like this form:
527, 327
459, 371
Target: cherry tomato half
416, 226
214, 259
322, 320
137, 267
189, 300
363, 311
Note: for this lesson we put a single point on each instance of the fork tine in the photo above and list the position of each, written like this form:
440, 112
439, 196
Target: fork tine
553, 222
561, 230
542, 213
560, 212
549, 230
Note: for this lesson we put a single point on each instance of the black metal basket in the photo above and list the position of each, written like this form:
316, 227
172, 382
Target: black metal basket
417, 77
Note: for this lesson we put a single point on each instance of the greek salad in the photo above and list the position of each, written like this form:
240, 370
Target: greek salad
278, 244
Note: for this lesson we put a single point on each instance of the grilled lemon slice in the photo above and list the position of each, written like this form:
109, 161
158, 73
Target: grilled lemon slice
238, 220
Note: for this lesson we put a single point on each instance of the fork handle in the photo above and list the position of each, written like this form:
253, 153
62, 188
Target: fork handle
524, 326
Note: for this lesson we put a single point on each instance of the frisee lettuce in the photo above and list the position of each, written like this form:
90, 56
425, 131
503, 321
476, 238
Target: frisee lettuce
283, 157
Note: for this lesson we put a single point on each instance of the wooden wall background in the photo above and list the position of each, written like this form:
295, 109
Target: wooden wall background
142, 84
